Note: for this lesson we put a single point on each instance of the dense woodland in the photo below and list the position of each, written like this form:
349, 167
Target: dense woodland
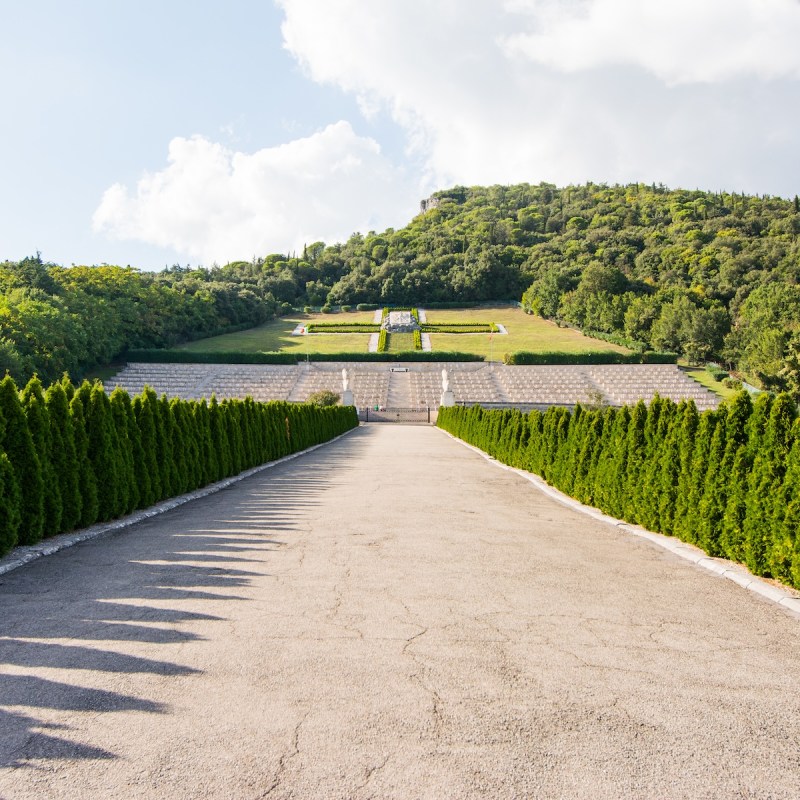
712, 276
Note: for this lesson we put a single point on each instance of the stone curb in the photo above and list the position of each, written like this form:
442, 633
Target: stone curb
737, 574
20, 556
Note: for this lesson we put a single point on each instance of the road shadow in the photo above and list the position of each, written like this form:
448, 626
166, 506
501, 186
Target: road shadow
73, 614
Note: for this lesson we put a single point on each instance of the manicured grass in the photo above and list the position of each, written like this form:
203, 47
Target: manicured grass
701, 376
525, 333
400, 342
276, 336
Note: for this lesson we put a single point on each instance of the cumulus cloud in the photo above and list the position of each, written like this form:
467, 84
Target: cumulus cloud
609, 90
215, 204
679, 41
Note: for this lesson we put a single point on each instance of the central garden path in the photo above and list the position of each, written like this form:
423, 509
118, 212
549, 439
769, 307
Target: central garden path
390, 616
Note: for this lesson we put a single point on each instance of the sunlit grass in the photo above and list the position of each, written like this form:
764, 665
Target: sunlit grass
525, 332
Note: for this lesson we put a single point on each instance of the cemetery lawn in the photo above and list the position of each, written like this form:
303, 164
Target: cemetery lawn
276, 336
400, 342
701, 376
526, 332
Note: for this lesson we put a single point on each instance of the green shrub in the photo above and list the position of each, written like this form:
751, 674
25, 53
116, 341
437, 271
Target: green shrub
326, 309
323, 398
345, 309
523, 357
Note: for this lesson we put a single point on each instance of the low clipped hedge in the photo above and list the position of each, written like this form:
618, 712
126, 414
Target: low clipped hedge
192, 357
528, 358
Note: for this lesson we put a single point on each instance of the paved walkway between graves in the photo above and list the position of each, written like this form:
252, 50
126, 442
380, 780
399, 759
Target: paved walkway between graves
390, 616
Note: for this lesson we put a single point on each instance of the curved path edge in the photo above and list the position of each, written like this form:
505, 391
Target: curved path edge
733, 572
24, 554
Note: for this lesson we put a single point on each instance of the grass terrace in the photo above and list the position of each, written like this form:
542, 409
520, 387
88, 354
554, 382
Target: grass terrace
525, 332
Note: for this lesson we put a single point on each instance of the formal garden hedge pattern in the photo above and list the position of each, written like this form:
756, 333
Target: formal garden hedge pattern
726, 480
72, 456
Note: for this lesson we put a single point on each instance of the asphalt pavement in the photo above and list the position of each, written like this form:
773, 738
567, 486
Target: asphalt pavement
390, 616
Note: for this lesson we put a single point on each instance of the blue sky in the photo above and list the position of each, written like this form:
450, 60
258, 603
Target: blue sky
190, 131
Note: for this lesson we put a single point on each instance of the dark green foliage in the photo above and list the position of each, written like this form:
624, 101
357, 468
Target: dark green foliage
104, 456
219, 439
102, 453
63, 456
766, 477
222, 357
148, 473
9, 505
18, 445
647, 357
33, 403
87, 483
121, 412
727, 480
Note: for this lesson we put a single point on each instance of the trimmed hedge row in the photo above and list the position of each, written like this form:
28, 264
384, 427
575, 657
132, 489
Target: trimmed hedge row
461, 327
725, 480
370, 327
194, 357
649, 357
344, 327
72, 456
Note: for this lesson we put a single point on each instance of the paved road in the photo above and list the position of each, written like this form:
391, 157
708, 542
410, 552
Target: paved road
390, 617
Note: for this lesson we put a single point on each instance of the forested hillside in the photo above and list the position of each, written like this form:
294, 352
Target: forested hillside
708, 275
54, 319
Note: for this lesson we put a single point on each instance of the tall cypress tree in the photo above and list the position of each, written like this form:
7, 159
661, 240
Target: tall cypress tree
713, 493
179, 449
101, 452
32, 399
145, 410
669, 470
10, 499
733, 476
63, 456
17, 443
127, 494
786, 542
219, 440
165, 454
87, 482
690, 422
769, 467
697, 485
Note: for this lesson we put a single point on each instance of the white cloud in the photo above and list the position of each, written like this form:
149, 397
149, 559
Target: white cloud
608, 90
215, 204
679, 41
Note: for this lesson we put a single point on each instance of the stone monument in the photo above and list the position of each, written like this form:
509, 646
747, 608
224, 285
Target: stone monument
447, 398
347, 394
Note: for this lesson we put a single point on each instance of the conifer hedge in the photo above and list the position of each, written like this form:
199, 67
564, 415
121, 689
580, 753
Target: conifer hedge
72, 456
726, 480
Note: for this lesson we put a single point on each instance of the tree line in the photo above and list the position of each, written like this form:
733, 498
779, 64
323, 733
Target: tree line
709, 275
726, 480
71, 455
55, 319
